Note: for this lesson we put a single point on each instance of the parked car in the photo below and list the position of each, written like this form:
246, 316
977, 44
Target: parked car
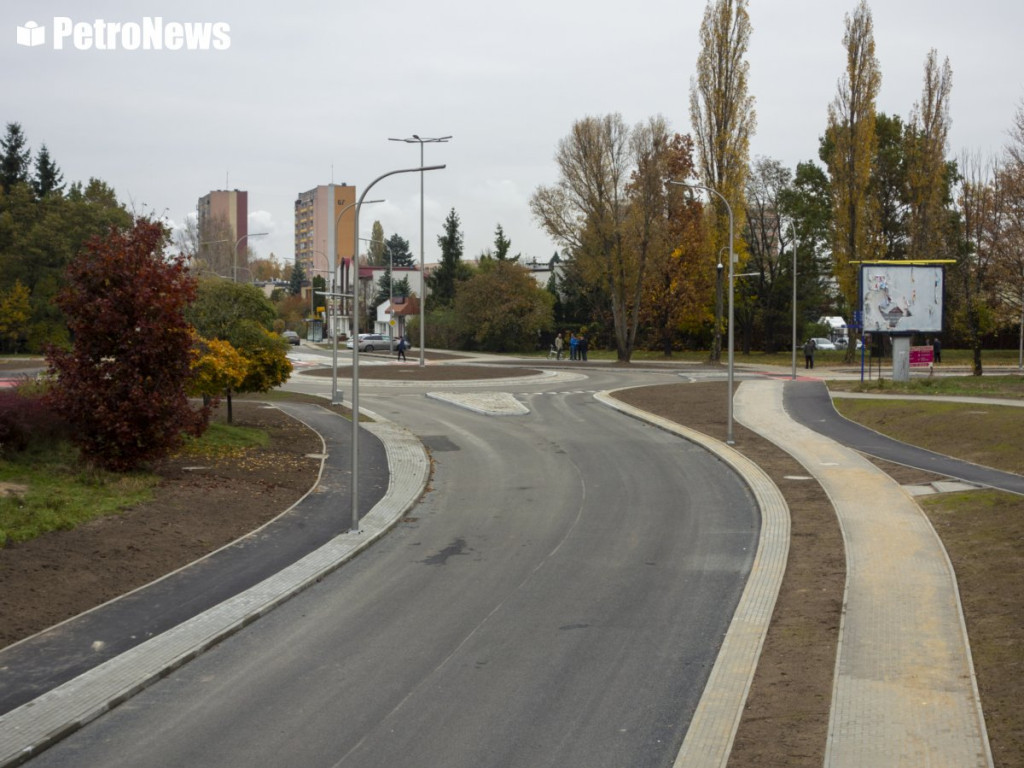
821, 343
291, 337
368, 342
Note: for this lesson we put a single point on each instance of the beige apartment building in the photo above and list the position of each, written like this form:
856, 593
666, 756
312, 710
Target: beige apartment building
223, 217
317, 226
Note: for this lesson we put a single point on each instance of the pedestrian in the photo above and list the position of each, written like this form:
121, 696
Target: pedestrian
559, 343
573, 344
936, 350
583, 346
401, 348
809, 347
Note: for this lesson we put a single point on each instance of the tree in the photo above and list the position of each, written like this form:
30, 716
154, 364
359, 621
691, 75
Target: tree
503, 246
217, 368
397, 253
848, 150
298, 279
980, 213
377, 253
502, 309
444, 279
602, 211
15, 162
889, 186
722, 112
679, 278
240, 314
928, 170
15, 311
48, 178
123, 382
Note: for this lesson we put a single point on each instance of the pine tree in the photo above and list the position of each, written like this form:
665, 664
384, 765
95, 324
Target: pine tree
298, 279
48, 178
15, 162
444, 278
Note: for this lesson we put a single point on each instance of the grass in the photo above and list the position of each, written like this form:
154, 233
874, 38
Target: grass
1011, 387
983, 434
50, 489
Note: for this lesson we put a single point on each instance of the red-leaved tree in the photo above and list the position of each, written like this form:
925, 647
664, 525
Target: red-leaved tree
122, 385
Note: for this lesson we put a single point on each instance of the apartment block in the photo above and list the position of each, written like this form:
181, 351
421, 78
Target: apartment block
319, 230
224, 215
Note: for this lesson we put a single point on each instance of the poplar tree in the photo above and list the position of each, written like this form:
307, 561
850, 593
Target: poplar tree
928, 171
721, 110
849, 148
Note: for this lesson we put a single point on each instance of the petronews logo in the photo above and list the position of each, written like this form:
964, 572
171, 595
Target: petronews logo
152, 33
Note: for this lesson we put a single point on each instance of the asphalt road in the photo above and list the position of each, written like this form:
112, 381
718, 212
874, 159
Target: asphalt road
557, 598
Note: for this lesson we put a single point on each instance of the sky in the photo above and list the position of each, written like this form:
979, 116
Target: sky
290, 95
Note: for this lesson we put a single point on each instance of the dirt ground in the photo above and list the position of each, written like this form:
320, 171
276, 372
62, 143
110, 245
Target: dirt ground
196, 511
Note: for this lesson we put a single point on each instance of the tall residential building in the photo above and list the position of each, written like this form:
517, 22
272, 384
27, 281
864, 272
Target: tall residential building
317, 226
224, 221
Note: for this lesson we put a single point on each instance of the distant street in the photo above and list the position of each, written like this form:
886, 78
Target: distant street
557, 598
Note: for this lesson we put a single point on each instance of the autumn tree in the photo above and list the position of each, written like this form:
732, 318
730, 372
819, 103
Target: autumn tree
722, 114
15, 311
586, 212
240, 314
679, 278
981, 208
217, 368
122, 384
376, 254
848, 151
1009, 267
928, 172
502, 309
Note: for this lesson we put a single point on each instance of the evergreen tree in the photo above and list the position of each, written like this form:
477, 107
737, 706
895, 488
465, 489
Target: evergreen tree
16, 158
298, 279
377, 253
502, 246
396, 252
444, 278
48, 178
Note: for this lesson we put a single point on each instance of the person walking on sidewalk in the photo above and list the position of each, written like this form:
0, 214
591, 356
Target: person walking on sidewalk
401, 348
582, 347
559, 343
573, 343
936, 350
809, 347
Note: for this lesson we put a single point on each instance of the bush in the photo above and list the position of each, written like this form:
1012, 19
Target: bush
25, 418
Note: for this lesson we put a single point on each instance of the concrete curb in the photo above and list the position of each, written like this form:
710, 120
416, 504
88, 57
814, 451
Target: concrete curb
31, 728
709, 739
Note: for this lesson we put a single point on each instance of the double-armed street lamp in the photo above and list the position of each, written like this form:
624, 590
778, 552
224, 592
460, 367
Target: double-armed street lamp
415, 139
355, 341
732, 258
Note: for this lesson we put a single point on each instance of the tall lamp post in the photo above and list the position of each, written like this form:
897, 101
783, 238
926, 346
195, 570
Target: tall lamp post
234, 254
732, 257
355, 342
335, 294
792, 227
423, 299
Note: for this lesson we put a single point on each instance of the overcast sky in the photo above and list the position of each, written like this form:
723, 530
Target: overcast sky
308, 92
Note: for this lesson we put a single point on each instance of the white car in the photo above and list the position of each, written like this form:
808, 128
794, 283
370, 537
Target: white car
368, 342
823, 343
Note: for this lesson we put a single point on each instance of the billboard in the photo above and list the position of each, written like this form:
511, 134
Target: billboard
901, 298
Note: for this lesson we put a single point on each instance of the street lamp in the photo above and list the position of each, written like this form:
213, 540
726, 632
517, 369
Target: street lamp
423, 299
792, 227
334, 294
391, 286
234, 254
732, 257
355, 343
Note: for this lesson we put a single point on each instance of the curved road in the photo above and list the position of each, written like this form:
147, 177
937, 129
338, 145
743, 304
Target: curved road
557, 598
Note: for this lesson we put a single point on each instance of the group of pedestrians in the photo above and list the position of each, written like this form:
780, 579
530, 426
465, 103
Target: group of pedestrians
577, 346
